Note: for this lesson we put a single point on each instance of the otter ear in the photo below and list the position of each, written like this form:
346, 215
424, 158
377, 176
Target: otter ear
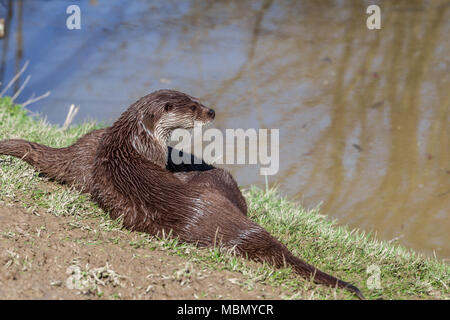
149, 121
168, 106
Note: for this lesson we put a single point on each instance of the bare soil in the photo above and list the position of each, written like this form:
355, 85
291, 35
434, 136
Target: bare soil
43, 256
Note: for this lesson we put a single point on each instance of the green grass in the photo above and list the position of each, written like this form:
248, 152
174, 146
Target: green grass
347, 254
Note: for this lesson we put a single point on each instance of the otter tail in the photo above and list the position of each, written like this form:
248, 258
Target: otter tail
306, 270
270, 250
47, 160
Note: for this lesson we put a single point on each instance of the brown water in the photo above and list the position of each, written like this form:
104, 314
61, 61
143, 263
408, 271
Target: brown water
364, 115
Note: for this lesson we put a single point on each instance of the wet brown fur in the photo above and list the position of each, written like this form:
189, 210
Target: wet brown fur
208, 176
73, 165
129, 179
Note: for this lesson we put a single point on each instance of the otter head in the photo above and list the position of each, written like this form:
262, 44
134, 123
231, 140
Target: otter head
153, 118
168, 110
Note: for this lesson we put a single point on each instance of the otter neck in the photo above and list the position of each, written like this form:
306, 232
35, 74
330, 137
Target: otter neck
161, 136
152, 145
129, 137
153, 149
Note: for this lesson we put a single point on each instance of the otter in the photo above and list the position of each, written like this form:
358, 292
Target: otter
130, 180
127, 170
73, 166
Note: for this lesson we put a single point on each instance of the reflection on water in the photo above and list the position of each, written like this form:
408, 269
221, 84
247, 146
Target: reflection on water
364, 116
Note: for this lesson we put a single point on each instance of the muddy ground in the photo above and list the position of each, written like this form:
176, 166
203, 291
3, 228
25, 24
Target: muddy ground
43, 256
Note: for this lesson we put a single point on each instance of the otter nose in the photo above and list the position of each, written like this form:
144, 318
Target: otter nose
211, 113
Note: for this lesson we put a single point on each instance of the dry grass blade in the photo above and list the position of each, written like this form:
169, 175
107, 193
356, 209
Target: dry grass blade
14, 79
14, 97
70, 116
32, 99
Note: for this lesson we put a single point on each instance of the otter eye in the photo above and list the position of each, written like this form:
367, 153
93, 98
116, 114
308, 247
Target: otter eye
193, 108
168, 107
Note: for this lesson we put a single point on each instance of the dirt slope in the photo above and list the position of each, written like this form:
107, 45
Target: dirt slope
43, 256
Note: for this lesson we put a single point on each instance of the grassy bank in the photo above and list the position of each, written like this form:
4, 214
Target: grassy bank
347, 254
